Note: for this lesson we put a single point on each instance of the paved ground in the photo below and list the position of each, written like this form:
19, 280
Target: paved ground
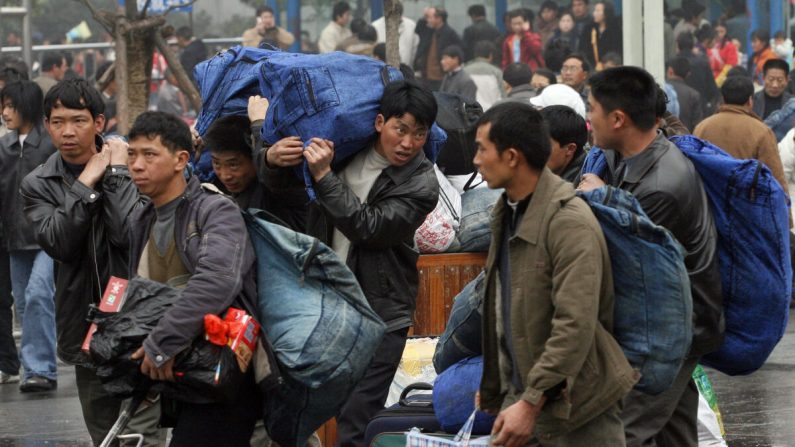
758, 410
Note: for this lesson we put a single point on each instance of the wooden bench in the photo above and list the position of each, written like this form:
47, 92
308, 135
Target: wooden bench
442, 276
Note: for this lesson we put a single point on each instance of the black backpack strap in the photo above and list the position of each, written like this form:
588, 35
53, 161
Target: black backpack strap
468, 184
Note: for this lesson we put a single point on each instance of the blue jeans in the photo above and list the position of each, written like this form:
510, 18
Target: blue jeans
32, 281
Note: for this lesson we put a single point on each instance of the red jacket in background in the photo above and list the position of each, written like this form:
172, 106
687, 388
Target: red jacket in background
530, 50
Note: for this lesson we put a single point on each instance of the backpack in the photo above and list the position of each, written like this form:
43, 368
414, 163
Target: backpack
653, 304
317, 321
462, 334
457, 117
335, 96
751, 215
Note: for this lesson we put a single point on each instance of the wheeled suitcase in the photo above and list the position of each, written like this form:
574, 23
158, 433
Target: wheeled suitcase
388, 428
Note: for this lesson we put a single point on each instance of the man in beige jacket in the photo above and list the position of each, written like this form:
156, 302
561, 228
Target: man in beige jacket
552, 369
266, 31
739, 131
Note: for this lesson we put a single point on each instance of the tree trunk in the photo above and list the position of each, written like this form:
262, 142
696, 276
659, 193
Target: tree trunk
392, 37
185, 84
140, 46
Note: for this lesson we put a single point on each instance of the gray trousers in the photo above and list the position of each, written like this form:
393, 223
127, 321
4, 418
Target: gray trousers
667, 419
100, 411
605, 430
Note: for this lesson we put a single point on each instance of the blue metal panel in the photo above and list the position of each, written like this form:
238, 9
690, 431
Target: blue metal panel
500, 8
275, 5
376, 9
294, 23
776, 16
756, 22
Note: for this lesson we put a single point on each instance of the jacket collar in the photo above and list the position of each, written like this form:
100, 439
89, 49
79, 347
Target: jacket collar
640, 164
521, 89
54, 166
547, 191
399, 174
740, 110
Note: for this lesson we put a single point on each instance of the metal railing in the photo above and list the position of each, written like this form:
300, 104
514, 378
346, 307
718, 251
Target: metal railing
105, 45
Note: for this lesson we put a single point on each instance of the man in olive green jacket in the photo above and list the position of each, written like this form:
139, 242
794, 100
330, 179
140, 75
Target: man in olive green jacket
552, 369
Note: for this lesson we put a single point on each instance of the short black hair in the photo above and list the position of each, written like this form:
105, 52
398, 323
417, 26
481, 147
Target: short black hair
516, 74
736, 90
548, 4
340, 8
264, 8
680, 65
737, 71
408, 96
662, 103
612, 56
454, 51
706, 32
231, 133
379, 51
484, 49
773, 64
514, 13
77, 94
630, 89
357, 25
476, 11
566, 126
440, 12
173, 132
11, 74
519, 126
547, 73
762, 35
586, 66
685, 42
27, 99
367, 34
52, 60
184, 32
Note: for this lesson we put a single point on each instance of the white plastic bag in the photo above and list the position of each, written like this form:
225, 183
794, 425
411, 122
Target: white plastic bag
415, 366
438, 232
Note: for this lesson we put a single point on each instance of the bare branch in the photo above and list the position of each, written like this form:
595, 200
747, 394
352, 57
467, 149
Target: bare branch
149, 22
100, 16
173, 7
107, 77
175, 66
143, 11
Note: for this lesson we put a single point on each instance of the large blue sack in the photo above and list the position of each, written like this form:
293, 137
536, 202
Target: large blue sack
653, 304
462, 334
318, 322
751, 216
454, 397
335, 96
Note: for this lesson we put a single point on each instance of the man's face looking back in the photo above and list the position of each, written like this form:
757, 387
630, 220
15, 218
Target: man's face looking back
235, 171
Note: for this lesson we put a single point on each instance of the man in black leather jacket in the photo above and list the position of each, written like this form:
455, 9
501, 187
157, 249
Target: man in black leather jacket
641, 160
368, 211
78, 203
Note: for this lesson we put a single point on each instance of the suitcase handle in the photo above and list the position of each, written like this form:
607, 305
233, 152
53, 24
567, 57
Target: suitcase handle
417, 386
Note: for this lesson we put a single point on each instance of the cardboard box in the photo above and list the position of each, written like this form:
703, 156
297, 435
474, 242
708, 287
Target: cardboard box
112, 301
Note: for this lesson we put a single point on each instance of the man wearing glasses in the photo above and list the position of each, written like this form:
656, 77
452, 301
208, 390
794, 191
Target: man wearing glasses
574, 73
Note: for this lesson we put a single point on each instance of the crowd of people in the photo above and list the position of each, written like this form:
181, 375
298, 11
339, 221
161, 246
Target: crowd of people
82, 207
